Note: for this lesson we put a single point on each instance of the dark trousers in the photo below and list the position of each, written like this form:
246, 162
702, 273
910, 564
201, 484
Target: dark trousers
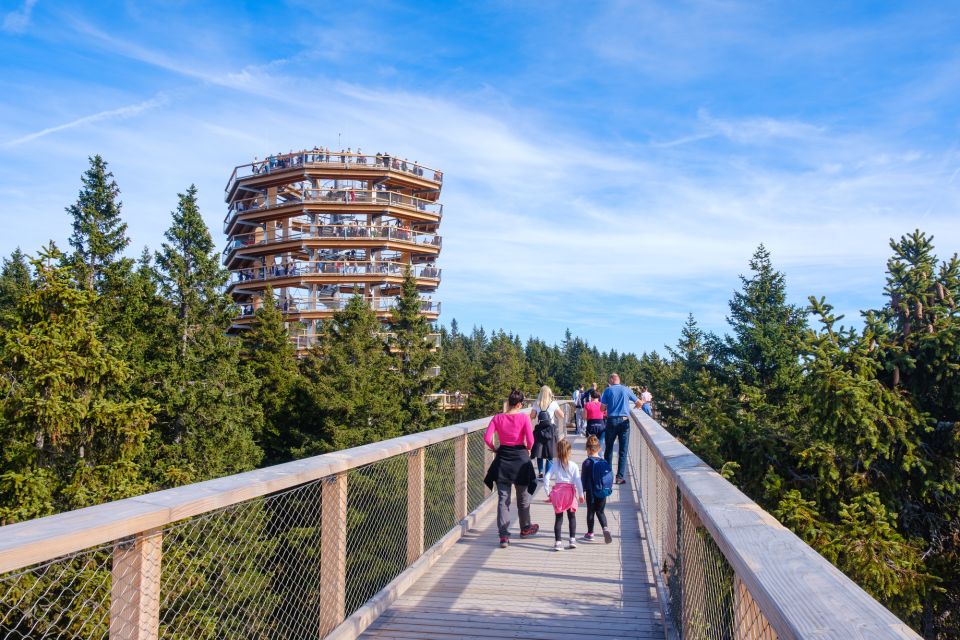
595, 507
558, 524
503, 507
618, 428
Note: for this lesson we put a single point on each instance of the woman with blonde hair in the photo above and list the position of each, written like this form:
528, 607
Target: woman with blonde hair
546, 415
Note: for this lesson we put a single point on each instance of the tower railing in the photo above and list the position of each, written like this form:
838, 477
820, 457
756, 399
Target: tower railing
334, 198
361, 233
333, 160
728, 569
288, 551
333, 268
308, 304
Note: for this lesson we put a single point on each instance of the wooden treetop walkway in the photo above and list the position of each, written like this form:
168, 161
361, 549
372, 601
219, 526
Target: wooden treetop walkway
478, 590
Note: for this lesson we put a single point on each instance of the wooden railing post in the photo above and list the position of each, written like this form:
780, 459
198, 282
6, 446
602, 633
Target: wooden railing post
460, 455
135, 587
333, 552
415, 504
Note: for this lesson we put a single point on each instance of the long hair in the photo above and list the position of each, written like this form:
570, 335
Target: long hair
544, 398
563, 452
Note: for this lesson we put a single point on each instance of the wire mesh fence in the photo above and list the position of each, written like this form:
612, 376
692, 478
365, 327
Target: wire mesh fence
376, 528
289, 564
705, 598
440, 483
68, 597
476, 468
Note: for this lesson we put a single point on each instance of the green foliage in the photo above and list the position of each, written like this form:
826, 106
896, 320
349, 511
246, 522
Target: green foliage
350, 386
70, 439
99, 234
849, 437
206, 424
413, 359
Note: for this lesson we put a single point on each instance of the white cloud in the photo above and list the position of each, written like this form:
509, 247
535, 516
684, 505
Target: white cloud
18, 20
110, 114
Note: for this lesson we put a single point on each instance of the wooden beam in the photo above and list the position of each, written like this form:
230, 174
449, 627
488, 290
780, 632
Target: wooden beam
333, 553
415, 504
461, 456
135, 587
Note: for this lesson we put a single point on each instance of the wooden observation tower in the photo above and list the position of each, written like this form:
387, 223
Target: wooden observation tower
316, 225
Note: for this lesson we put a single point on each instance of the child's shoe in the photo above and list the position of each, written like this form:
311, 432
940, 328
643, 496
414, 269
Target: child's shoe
504, 542
573, 543
588, 537
558, 546
607, 537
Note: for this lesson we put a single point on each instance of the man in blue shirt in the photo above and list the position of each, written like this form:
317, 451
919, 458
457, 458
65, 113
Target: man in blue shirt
616, 401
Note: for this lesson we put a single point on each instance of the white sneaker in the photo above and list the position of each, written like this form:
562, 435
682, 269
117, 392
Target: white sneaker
558, 546
573, 543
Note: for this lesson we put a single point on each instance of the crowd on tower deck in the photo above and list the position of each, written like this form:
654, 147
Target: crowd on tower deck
316, 155
521, 434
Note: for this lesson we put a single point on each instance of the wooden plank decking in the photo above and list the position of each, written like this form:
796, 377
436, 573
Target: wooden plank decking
530, 591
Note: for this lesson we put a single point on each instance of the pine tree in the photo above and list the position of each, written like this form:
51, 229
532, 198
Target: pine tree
269, 357
70, 438
99, 235
503, 369
351, 385
15, 282
209, 418
414, 359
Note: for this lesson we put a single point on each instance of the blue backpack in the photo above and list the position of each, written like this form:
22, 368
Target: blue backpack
601, 478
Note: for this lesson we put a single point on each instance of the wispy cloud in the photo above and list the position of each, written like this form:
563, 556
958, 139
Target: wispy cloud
110, 114
18, 20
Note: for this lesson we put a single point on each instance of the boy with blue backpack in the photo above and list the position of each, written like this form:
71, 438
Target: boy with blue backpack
597, 477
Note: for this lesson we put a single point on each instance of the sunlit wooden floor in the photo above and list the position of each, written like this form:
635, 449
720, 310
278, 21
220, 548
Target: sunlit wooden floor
478, 590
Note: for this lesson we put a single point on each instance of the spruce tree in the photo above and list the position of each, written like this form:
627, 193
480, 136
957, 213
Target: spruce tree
99, 234
414, 359
503, 368
70, 438
15, 282
270, 358
209, 417
351, 385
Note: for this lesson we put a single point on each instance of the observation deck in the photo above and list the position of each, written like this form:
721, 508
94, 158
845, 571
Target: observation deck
316, 225
397, 540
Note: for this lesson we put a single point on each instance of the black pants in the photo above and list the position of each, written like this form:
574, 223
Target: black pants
595, 507
558, 524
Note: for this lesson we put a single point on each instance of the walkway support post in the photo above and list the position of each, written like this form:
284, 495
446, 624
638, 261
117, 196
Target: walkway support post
460, 453
333, 552
415, 504
135, 587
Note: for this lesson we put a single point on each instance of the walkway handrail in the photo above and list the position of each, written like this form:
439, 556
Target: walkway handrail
335, 231
346, 522
730, 567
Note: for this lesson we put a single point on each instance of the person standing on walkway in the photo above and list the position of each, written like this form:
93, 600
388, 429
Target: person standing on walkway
593, 412
579, 398
547, 414
564, 490
511, 467
616, 401
646, 401
597, 480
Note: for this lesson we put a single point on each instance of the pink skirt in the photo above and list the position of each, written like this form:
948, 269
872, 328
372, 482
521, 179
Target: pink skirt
563, 496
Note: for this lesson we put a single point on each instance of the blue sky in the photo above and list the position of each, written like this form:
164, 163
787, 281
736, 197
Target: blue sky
609, 167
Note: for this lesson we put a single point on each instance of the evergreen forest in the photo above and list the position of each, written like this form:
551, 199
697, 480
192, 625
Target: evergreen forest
118, 376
